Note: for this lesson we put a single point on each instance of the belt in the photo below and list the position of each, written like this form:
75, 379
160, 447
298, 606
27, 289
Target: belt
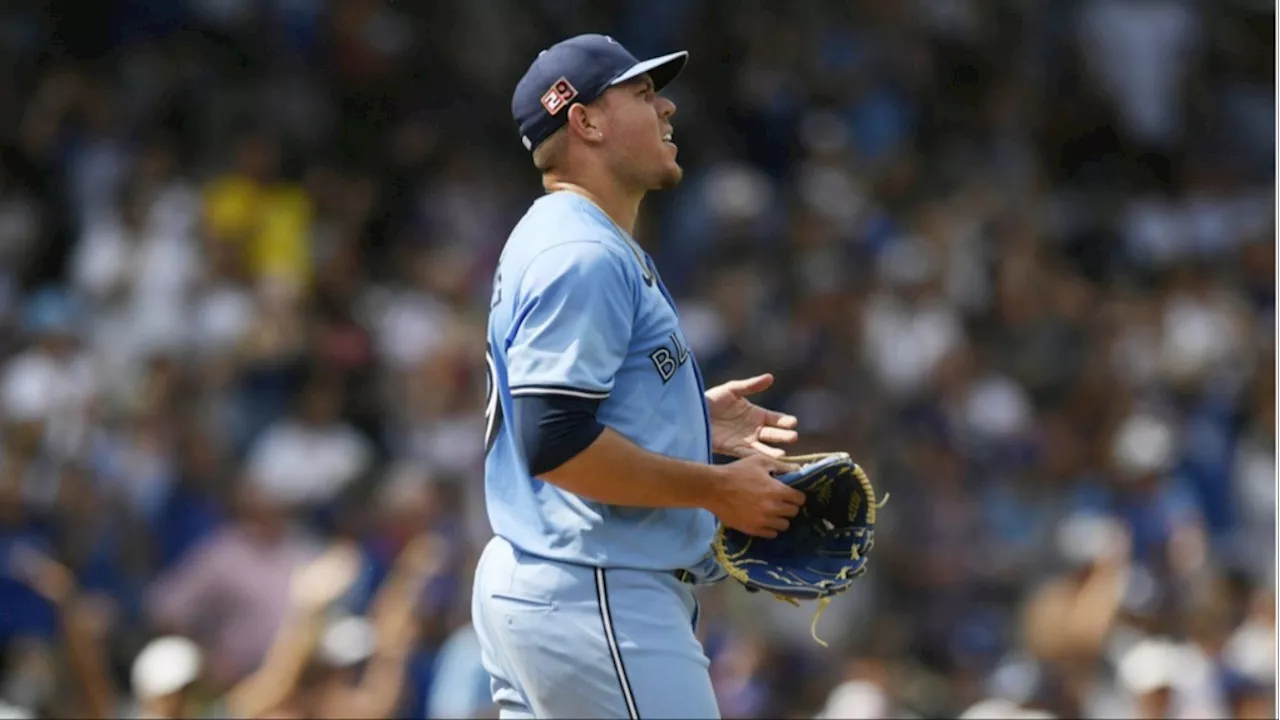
685, 576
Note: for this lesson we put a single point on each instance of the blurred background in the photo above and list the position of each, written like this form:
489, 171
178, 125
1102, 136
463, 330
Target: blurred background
1017, 257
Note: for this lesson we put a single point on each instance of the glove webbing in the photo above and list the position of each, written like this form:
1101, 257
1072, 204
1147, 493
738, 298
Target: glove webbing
736, 572
726, 560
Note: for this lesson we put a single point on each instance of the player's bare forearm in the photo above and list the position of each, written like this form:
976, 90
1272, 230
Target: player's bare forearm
615, 471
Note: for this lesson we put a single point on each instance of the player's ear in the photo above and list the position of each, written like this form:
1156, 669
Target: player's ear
586, 122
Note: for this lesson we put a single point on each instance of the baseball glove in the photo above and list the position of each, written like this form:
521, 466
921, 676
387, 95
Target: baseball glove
827, 544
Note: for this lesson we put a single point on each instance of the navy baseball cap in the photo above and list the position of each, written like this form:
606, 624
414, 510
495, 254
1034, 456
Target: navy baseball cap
579, 70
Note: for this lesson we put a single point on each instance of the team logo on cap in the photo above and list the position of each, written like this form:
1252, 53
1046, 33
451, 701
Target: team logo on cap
559, 96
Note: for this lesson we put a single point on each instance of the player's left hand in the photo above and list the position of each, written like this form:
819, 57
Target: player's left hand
739, 427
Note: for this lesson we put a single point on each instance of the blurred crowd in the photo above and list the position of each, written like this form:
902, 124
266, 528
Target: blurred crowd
1016, 257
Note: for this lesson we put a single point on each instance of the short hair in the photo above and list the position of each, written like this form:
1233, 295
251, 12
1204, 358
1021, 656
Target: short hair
549, 152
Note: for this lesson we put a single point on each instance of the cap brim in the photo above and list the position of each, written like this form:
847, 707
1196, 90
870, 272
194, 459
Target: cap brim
661, 70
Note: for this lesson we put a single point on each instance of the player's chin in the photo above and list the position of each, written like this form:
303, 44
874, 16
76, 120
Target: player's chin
670, 176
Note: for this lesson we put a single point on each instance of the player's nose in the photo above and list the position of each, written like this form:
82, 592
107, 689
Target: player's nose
666, 107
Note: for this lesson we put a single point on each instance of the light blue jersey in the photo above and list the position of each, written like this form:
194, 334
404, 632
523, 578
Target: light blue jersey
584, 609
578, 309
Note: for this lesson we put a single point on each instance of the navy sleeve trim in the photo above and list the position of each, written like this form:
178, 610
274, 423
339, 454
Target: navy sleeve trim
552, 428
562, 390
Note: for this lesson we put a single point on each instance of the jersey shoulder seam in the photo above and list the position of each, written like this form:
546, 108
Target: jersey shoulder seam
617, 254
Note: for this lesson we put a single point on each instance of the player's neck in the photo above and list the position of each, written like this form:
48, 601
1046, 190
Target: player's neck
621, 207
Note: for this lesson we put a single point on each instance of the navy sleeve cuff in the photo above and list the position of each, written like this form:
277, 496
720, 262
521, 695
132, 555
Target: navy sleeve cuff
554, 425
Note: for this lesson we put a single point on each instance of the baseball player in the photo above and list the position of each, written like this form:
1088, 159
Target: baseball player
598, 476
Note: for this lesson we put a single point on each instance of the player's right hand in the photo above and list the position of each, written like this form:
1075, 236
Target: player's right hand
752, 500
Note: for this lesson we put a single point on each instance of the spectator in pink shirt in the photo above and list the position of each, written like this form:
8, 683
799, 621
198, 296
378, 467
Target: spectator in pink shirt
231, 592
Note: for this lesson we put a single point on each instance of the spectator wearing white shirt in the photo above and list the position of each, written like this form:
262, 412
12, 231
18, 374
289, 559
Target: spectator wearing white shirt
313, 454
135, 270
908, 325
47, 394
